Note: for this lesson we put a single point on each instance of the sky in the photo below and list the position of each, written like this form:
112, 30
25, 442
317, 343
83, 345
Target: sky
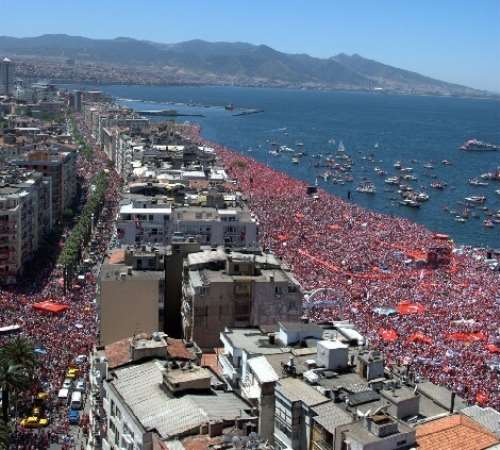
453, 40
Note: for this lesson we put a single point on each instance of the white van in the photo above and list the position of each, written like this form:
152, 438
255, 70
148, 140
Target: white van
76, 400
63, 394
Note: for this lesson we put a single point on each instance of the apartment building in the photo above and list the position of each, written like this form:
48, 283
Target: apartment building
60, 167
131, 293
25, 218
146, 220
150, 392
222, 288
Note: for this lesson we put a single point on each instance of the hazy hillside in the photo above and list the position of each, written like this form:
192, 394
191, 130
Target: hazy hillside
199, 61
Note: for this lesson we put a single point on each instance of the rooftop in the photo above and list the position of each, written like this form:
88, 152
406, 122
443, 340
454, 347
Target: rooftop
330, 416
296, 390
253, 341
140, 387
455, 432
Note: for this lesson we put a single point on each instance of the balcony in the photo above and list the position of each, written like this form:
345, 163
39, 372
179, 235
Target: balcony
320, 444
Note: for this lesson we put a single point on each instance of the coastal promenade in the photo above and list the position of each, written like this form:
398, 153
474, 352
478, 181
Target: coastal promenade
441, 322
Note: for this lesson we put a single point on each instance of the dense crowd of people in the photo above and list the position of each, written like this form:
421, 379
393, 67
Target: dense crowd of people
440, 321
59, 338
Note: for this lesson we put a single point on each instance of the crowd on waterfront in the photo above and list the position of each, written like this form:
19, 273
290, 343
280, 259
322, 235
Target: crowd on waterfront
60, 338
369, 262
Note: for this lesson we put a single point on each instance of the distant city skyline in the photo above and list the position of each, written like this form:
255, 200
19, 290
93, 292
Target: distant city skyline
453, 40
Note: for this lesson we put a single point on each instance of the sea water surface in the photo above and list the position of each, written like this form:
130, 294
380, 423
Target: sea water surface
415, 130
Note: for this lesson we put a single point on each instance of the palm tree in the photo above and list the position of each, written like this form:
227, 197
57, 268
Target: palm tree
12, 378
20, 352
4, 436
17, 363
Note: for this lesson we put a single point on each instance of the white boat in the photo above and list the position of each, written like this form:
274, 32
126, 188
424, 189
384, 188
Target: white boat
409, 202
488, 223
391, 180
497, 192
407, 169
422, 197
367, 188
397, 165
477, 182
476, 199
295, 160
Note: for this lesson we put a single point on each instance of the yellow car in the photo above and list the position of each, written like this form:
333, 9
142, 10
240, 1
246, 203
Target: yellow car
34, 422
42, 396
72, 373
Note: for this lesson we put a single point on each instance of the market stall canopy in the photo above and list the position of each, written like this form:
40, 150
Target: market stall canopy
51, 307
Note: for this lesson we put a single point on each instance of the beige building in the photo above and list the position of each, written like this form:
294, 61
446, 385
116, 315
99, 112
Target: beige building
223, 289
25, 218
60, 166
131, 294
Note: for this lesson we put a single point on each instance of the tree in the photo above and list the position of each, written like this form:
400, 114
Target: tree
13, 378
20, 352
17, 364
4, 435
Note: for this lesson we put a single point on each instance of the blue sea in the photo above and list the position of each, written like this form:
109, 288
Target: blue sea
376, 129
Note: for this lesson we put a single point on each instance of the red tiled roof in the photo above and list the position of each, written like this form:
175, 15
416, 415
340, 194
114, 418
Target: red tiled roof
177, 349
211, 360
455, 432
118, 353
117, 257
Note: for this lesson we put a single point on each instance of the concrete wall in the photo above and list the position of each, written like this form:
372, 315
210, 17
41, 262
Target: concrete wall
127, 307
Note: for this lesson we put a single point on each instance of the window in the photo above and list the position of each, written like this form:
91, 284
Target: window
151, 217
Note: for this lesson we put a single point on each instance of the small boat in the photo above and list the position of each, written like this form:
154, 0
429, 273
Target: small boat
367, 188
497, 192
488, 223
460, 219
493, 176
475, 145
397, 165
376, 145
229, 107
331, 141
391, 180
477, 182
409, 177
407, 169
422, 197
445, 162
274, 152
428, 166
341, 147
476, 199
409, 202
438, 185
295, 160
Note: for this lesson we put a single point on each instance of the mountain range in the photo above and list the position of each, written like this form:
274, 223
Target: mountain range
128, 60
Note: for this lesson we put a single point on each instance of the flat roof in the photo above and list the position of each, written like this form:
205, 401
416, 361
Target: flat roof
140, 387
297, 390
129, 209
263, 370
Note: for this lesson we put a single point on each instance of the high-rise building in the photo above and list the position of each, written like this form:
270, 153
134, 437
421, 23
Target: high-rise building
6, 77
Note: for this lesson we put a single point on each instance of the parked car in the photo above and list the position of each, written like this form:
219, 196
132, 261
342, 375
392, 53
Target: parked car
67, 383
80, 386
74, 416
34, 422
